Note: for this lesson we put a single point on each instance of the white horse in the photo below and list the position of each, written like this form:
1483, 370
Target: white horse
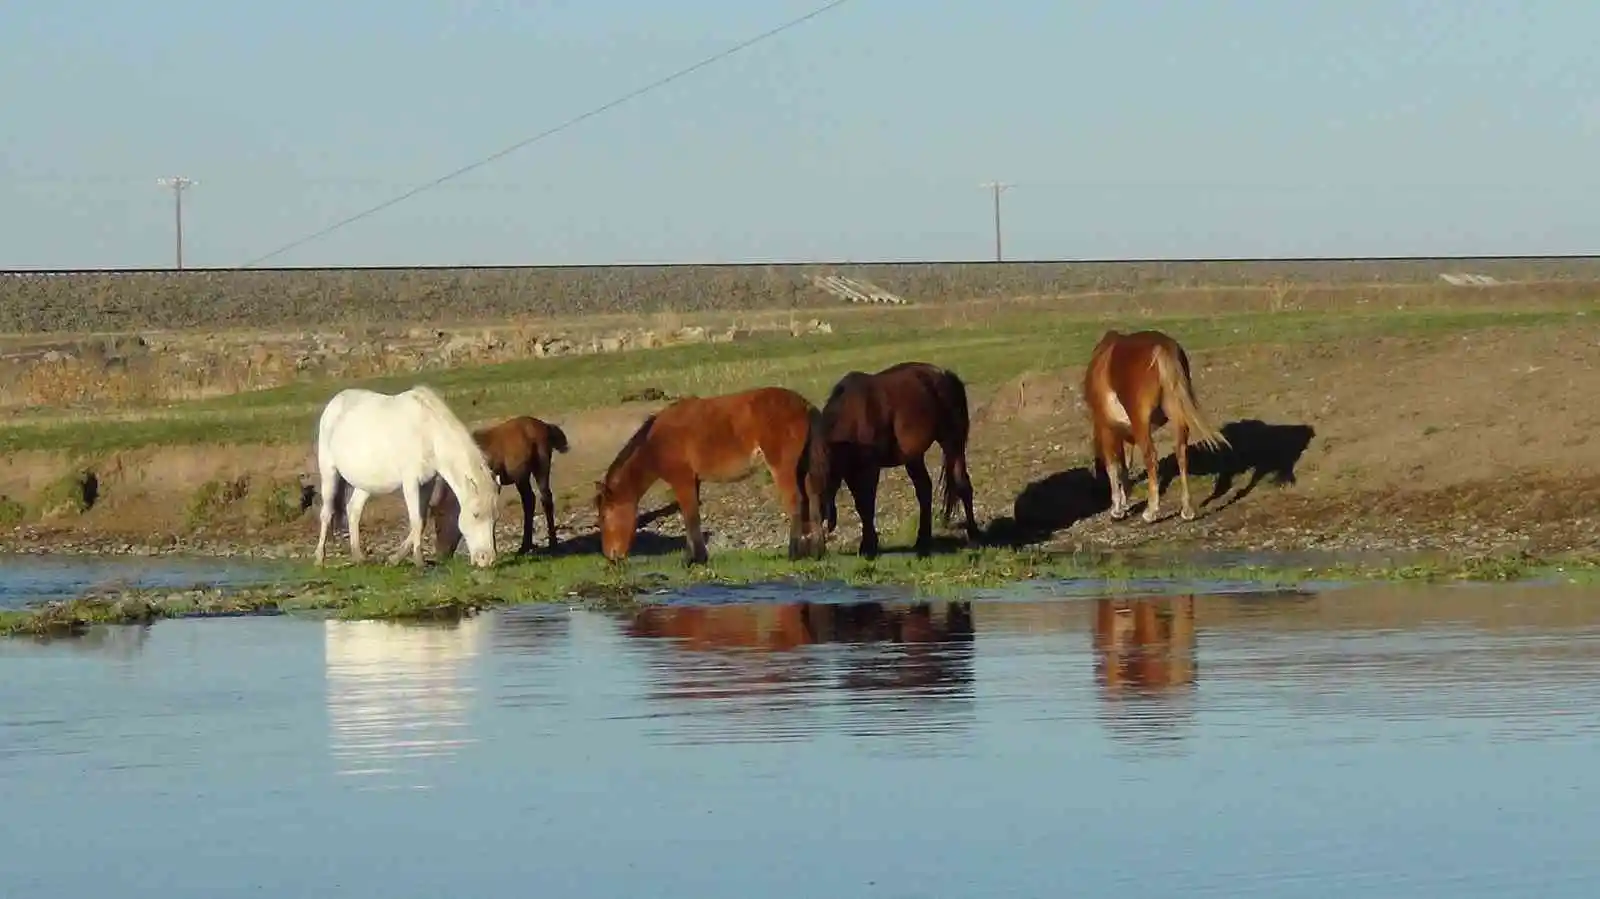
377, 443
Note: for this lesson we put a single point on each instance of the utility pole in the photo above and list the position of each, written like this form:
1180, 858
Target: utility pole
178, 184
997, 188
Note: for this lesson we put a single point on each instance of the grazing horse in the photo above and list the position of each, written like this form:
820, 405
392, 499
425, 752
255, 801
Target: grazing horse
374, 443
888, 420
1133, 385
519, 451
718, 439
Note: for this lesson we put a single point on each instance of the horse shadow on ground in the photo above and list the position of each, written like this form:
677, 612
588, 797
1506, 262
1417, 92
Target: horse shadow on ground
645, 543
1258, 451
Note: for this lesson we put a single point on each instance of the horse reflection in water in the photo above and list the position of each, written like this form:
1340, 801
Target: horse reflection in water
1145, 665
767, 671
397, 696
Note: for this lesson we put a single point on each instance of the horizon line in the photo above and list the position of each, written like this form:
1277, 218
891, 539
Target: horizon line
525, 266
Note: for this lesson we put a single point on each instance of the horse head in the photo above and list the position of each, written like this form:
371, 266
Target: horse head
618, 520
477, 504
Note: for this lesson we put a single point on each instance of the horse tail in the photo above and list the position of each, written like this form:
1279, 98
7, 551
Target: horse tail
558, 439
960, 431
1177, 389
811, 476
341, 489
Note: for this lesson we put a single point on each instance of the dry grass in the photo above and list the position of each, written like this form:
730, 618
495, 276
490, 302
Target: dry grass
121, 303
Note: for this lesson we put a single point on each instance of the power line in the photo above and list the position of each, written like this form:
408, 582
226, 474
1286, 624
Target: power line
178, 184
637, 92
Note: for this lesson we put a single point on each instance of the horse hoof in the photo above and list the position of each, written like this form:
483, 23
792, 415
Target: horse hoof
1187, 515
1149, 516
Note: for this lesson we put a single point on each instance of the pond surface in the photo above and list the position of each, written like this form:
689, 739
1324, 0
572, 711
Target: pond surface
1394, 742
27, 579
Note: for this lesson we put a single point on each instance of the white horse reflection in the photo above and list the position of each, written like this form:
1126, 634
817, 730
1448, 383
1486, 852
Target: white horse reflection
397, 695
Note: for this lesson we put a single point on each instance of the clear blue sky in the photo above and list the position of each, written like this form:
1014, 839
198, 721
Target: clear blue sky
1132, 128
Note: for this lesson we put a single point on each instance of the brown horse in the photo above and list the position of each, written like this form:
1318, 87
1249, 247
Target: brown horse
719, 439
890, 419
1145, 642
519, 451
1133, 385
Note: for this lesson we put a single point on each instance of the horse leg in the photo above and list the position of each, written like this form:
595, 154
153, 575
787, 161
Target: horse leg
1186, 510
789, 496
830, 499
525, 493
352, 517
424, 497
547, 500
922, 482
330, 483
1109, 443
688, 496
961, 480
816, 535
413, 541
863, 484
1147, 447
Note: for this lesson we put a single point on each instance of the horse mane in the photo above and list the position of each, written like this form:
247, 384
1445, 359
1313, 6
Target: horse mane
631, 447
471, 462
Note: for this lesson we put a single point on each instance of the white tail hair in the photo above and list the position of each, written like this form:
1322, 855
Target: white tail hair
1177, 391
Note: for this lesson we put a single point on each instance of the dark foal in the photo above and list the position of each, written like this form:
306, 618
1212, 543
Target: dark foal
520, 452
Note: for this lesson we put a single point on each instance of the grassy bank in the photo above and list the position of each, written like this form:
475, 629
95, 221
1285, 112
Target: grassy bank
986, 349
453, 590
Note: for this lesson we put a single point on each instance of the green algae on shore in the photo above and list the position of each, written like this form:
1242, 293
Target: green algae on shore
454, 589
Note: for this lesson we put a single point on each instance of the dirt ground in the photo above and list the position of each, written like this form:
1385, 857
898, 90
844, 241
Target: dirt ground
1467, 443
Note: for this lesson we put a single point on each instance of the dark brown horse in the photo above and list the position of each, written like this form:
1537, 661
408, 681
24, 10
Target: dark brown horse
890, 419
718, 439
519, 451
1133, 385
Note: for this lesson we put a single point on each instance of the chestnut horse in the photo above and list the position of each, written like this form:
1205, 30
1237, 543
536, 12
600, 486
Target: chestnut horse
1133, 385
719, 439
519, 451
890, 419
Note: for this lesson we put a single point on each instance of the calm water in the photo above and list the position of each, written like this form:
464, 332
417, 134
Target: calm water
1371, 742
29, 579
